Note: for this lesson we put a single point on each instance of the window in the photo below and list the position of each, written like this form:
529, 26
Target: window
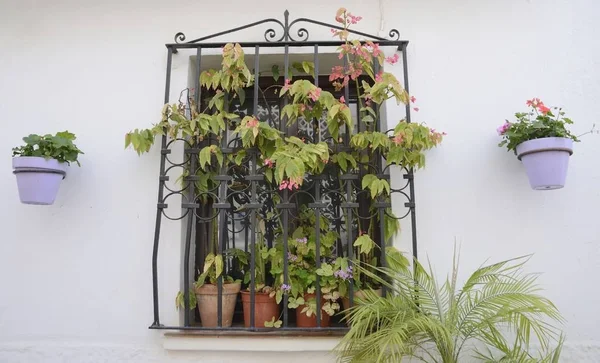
292, 248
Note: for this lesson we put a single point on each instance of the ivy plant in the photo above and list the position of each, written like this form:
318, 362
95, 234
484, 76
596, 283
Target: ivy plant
59, 146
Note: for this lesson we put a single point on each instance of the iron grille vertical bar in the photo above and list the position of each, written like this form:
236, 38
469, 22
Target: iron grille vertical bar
188, 237
347, 100
383, 259
349, 236
316, 138
285, 259
254, 200
161, 186
222, 225
316, 121
197, 83
283, 128
286, 68
318, 246
411, 178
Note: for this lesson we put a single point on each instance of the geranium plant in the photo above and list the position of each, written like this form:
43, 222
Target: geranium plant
538, 122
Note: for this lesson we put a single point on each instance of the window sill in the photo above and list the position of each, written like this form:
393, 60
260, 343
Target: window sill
275, 341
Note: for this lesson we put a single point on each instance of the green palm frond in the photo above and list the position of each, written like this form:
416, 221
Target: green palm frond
434, 322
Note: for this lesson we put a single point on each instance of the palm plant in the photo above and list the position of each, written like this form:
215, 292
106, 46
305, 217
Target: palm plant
432, 322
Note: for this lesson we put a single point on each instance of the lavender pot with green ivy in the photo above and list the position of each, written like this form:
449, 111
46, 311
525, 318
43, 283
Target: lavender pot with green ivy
38, 179
546, 161
41, 164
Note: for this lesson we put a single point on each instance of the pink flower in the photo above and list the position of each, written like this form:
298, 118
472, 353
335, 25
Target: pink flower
283, 185
373, 48
342, 99
416, 109
336, 73
269, 163
378, 77
413, 99
315, 94
354, 19
286, 85
397, 139
392, 60
338, 15
543, 109
502, 129
333, 31
252, 123
355, 72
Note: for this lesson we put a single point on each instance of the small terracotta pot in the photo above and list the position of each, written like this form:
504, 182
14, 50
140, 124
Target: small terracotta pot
303, 321
207, 297
265, 308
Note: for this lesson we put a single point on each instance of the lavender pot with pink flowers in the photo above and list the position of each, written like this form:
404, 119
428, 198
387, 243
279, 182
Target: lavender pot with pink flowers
541, 141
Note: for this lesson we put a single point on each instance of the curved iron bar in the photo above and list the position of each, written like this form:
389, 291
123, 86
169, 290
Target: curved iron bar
270, 34
302, 32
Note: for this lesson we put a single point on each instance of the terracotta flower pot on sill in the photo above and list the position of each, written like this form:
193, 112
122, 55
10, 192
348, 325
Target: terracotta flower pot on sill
304, 321
207, 297
265, 308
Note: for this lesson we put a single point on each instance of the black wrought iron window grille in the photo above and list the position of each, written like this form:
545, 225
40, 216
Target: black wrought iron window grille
295, 245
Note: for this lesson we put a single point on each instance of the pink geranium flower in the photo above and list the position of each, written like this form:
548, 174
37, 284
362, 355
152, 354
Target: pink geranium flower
393, 59
315, 94
502, 129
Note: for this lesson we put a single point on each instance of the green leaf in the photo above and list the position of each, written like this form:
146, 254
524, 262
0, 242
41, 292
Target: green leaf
368, 180
205, 156
242, 95
365, 243
218, 265
275, 71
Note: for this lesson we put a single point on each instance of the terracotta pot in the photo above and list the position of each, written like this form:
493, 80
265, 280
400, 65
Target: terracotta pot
303, 321
207, 297
358, 294
265, 308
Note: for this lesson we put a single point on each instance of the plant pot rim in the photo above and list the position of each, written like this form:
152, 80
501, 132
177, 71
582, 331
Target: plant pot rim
544, 144
247, 292
38, 164
234, 287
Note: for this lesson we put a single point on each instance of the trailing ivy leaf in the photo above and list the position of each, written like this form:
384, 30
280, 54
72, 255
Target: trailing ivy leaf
275, 71
219, 265
219, 155
365, 243
325, 270
242, 95
368, 180
205, 156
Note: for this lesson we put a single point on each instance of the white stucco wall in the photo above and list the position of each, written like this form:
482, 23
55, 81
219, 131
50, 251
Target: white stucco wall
75, 277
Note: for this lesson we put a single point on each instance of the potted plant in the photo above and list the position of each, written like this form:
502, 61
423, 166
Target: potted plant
363, 282
206, 292
303, 271
266, 308
497, 315
542, 142
41, 164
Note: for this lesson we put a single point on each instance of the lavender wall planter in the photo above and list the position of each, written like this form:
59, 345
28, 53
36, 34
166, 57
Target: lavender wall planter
546, 161
38, 179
